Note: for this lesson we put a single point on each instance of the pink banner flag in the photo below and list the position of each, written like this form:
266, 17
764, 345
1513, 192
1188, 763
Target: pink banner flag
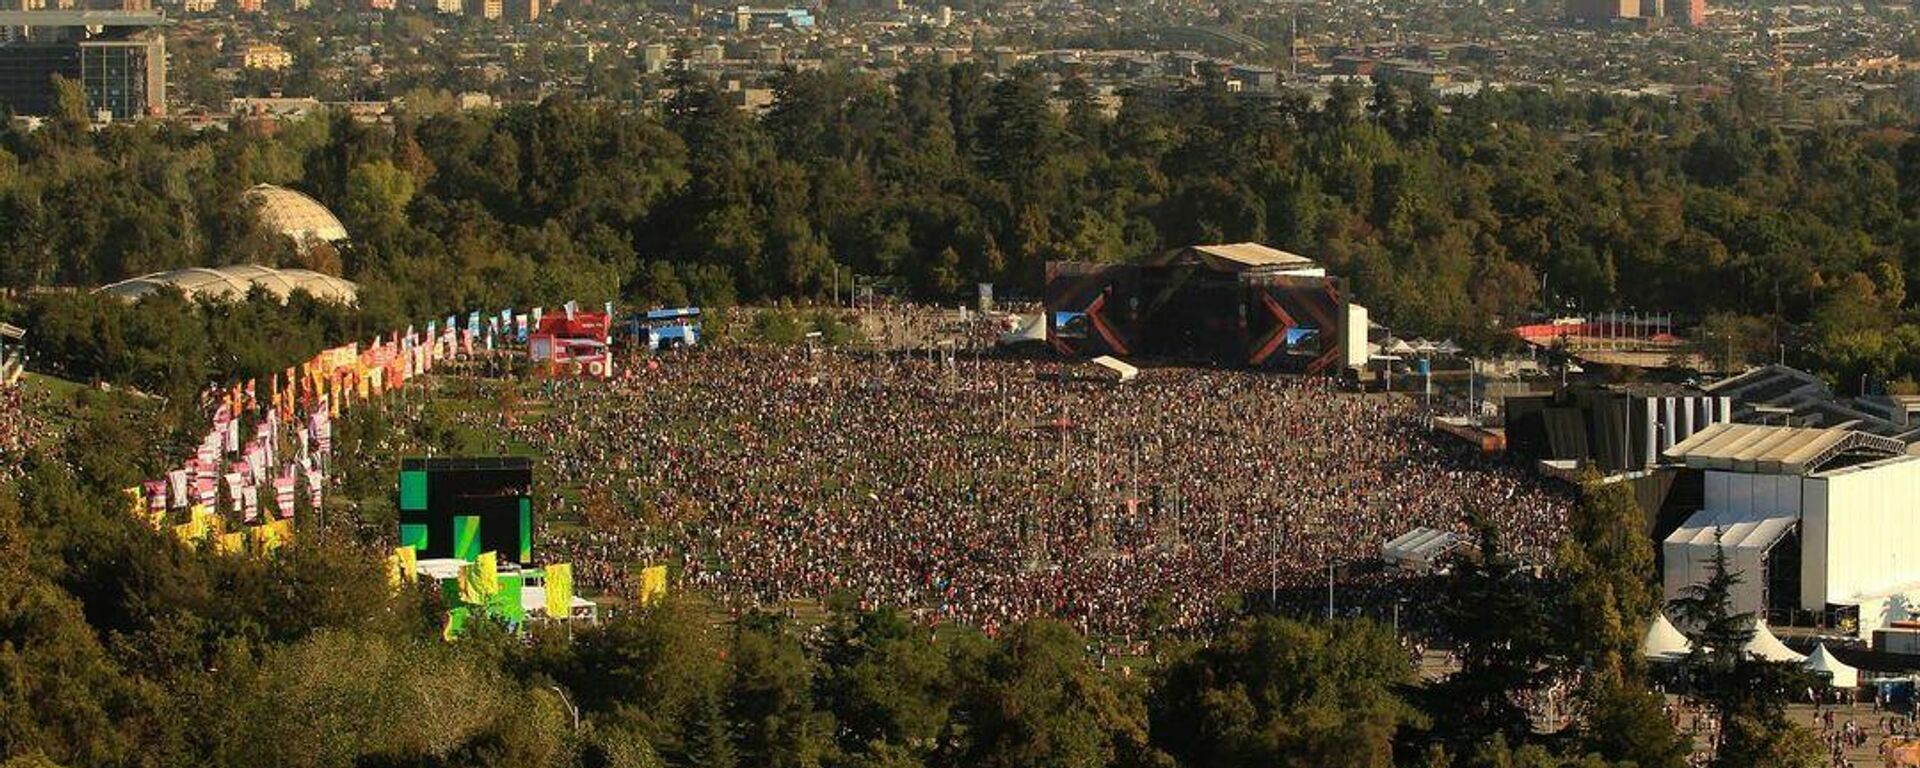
283, 491
156, 495
205, 492
314, 481
236, 490
177, 488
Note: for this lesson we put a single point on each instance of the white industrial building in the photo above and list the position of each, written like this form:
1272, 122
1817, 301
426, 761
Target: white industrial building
1815, 520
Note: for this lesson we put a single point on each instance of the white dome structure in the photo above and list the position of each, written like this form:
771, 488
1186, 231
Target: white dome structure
233, 282
295, 215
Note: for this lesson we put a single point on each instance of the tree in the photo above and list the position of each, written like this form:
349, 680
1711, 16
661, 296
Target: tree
377, 195
1279, 692
60, 695
1035, 701
886, 684
771, 698
70, 111
1749, 693
1021, 131
1628, 724
1608, 564
659, 669
1491, 611
1762, 743
1705, 611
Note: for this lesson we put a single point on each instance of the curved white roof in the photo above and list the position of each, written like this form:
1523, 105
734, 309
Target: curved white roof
1776, 450
294, 214
234, 282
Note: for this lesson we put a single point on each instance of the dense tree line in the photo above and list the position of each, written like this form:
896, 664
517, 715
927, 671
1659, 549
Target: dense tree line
1447, 216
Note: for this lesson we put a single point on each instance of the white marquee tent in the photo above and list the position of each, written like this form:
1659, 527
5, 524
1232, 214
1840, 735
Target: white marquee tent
1663, 642
1839, 674
1765, 646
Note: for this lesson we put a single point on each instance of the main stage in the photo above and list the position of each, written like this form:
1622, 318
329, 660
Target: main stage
1242, 305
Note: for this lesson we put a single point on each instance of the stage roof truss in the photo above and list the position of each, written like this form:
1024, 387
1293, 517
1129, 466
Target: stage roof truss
1777, 450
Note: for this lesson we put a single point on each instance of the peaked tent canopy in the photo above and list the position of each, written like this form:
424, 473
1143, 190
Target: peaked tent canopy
1765, 646
1839, 674
1663, 642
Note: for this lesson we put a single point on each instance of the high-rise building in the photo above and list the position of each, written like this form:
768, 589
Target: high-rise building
1692, 13
118, 57
247, 6
125, 77
654, 57
1601, 11
486, 9
27, 68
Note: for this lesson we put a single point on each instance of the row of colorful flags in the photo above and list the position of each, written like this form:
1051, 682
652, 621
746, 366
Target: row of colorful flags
269, 442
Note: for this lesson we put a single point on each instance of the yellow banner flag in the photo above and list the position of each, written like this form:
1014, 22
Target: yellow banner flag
231, 543
136, 501
201, 518
470, 585
559, 590
489, 564
653, 583
270, 536
393, 570
187, 532
409, 562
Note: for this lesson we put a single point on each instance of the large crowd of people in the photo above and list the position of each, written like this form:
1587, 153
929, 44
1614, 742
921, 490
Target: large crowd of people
988, 491
21, 424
